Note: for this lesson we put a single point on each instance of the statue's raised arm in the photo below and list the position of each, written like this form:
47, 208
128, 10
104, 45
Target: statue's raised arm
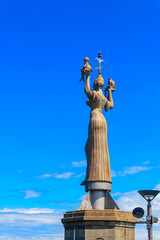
98, 85
110, 89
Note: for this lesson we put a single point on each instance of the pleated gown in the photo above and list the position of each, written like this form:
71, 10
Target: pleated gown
98, 162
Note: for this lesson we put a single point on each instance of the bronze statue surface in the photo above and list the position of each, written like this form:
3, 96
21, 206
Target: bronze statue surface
98, 162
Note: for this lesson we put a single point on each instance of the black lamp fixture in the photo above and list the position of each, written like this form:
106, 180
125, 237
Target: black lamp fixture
148, 195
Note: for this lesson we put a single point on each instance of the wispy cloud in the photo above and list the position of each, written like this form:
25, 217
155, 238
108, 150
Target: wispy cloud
141, 233
130, 170
80, 164
80, 175
30, 217
31, 194
114, 173
54, 236
116, 194
82, 197
146, 162
46, 175
27, 211
157, 187
135, 169
64, 175
129, 200
33, 223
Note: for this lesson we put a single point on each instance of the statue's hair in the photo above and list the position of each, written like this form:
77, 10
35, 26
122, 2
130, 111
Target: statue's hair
100, 81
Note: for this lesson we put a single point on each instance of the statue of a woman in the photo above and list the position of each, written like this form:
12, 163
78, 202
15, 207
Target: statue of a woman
98, 163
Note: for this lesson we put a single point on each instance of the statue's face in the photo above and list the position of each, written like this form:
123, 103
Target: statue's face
95, 85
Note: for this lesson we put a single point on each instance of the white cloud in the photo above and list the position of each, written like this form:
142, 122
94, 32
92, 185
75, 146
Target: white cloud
114, 173
129, 200
64, 175
79, 164
80, 175
130, 170
82, 197
141, 232
157, 187
58, 236
27, 211
146, 162
116, 194
29, 217
135, 169
31, 194
31, 224
47, 175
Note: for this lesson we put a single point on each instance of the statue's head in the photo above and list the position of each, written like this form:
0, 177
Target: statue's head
99, 82
86, 59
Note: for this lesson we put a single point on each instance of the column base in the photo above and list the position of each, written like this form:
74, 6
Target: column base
99, 200
106, 224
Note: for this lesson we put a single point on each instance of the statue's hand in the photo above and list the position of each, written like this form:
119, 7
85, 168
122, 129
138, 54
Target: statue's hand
113, 89
86, 72
110, 88
111, 85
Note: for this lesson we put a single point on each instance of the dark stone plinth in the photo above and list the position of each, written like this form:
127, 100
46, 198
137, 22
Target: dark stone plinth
103, 224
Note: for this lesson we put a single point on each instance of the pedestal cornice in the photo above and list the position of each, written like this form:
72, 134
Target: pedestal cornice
107, 215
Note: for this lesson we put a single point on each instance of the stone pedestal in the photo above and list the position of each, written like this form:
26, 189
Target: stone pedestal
109, 224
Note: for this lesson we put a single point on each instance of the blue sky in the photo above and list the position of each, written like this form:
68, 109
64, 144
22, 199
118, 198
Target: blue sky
44, 117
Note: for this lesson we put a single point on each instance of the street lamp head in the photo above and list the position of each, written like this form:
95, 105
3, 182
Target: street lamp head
149, 195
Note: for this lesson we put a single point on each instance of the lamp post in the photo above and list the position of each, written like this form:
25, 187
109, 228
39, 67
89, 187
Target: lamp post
148, 195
